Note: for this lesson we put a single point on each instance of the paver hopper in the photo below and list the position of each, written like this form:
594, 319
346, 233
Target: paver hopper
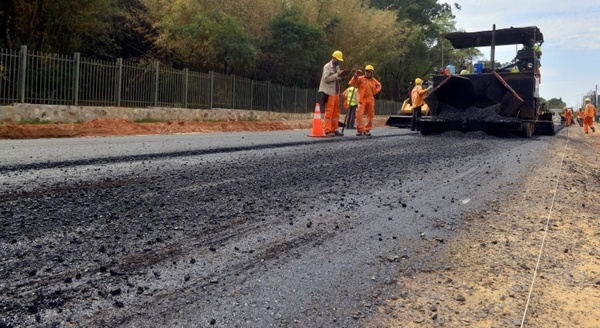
500, 100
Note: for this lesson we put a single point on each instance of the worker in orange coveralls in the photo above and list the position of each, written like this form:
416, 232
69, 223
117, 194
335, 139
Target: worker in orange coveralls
416, 97
568, 116
329, 88
580, 116
588, 116
368, 87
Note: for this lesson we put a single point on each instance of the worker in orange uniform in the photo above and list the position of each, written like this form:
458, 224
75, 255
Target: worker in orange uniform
580, 116
568, 116
588, 116
329, 88
367, 87
416, 97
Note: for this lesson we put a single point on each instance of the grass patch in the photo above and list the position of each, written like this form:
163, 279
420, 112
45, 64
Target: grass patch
148, 120
34, 121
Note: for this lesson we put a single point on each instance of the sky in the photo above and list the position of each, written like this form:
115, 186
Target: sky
571, 49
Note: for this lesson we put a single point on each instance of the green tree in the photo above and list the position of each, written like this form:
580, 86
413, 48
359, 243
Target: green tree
199, 36
292, 55
556, 103
62, 26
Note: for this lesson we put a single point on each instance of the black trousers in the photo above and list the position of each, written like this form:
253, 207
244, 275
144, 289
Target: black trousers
322, 101
415, 115
351, 117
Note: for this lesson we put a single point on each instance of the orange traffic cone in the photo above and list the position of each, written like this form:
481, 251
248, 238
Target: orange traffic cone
317, 129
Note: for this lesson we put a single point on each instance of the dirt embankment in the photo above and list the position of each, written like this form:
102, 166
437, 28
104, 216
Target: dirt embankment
121, 127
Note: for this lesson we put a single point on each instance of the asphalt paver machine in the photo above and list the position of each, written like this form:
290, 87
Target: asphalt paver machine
496, 99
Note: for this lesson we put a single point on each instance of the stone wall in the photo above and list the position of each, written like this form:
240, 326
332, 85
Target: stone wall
24, 113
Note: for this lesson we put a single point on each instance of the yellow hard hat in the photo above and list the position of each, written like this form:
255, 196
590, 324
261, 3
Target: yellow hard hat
418, 81
369, 68
587, 99
338, 55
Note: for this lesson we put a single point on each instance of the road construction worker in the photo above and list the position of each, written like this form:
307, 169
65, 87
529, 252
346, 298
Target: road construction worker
329, 88
588, 116
529, 47
568, 115
350, 105
580, 116
367, 87
417, 95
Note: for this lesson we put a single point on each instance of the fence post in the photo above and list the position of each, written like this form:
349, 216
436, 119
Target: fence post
295, 98
212, 89
156, 74
119, 82
76, 68
251, 93
305, 100
186, 77
281, 105
22, 73
233, 93
268, 95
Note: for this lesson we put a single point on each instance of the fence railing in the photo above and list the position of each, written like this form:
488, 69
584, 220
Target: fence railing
43, 78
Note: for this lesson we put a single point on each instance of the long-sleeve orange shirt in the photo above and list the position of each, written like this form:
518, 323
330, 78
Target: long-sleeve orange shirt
367, 88
417, 95
590, 110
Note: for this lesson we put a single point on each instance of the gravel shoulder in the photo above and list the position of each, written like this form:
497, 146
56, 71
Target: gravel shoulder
531, 259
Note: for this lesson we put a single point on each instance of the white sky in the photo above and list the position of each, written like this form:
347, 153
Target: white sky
571, 50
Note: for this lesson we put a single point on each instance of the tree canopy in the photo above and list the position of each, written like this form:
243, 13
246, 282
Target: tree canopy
286, 42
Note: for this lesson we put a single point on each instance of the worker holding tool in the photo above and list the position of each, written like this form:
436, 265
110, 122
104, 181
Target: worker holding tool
367, 87
417, 95
588, 116
329, 88
580, 116
350, 105
568, 115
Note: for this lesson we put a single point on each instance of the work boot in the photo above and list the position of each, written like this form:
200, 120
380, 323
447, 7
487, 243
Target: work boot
359, 134
593, 130
338, 133
331, 134
368, 134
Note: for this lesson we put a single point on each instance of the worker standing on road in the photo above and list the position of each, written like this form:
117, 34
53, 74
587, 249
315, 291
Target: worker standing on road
588, 116
568, 116
329, 88
350, 105
367, 87
417, 95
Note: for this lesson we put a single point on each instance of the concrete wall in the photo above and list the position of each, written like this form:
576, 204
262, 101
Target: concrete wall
23, 113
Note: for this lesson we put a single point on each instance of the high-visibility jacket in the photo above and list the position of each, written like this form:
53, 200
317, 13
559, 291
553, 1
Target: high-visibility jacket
350, 92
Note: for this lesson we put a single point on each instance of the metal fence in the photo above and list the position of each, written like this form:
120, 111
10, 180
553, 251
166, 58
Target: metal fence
42, 78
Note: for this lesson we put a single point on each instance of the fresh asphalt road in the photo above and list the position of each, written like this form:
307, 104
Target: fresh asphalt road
234, 229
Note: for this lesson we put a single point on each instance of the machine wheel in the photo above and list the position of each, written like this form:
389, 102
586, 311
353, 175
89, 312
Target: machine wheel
527, 129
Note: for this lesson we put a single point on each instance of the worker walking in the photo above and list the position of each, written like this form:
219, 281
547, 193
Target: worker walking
588, 116
417, 96
367, 87
568, 116
329, 88
350, 105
